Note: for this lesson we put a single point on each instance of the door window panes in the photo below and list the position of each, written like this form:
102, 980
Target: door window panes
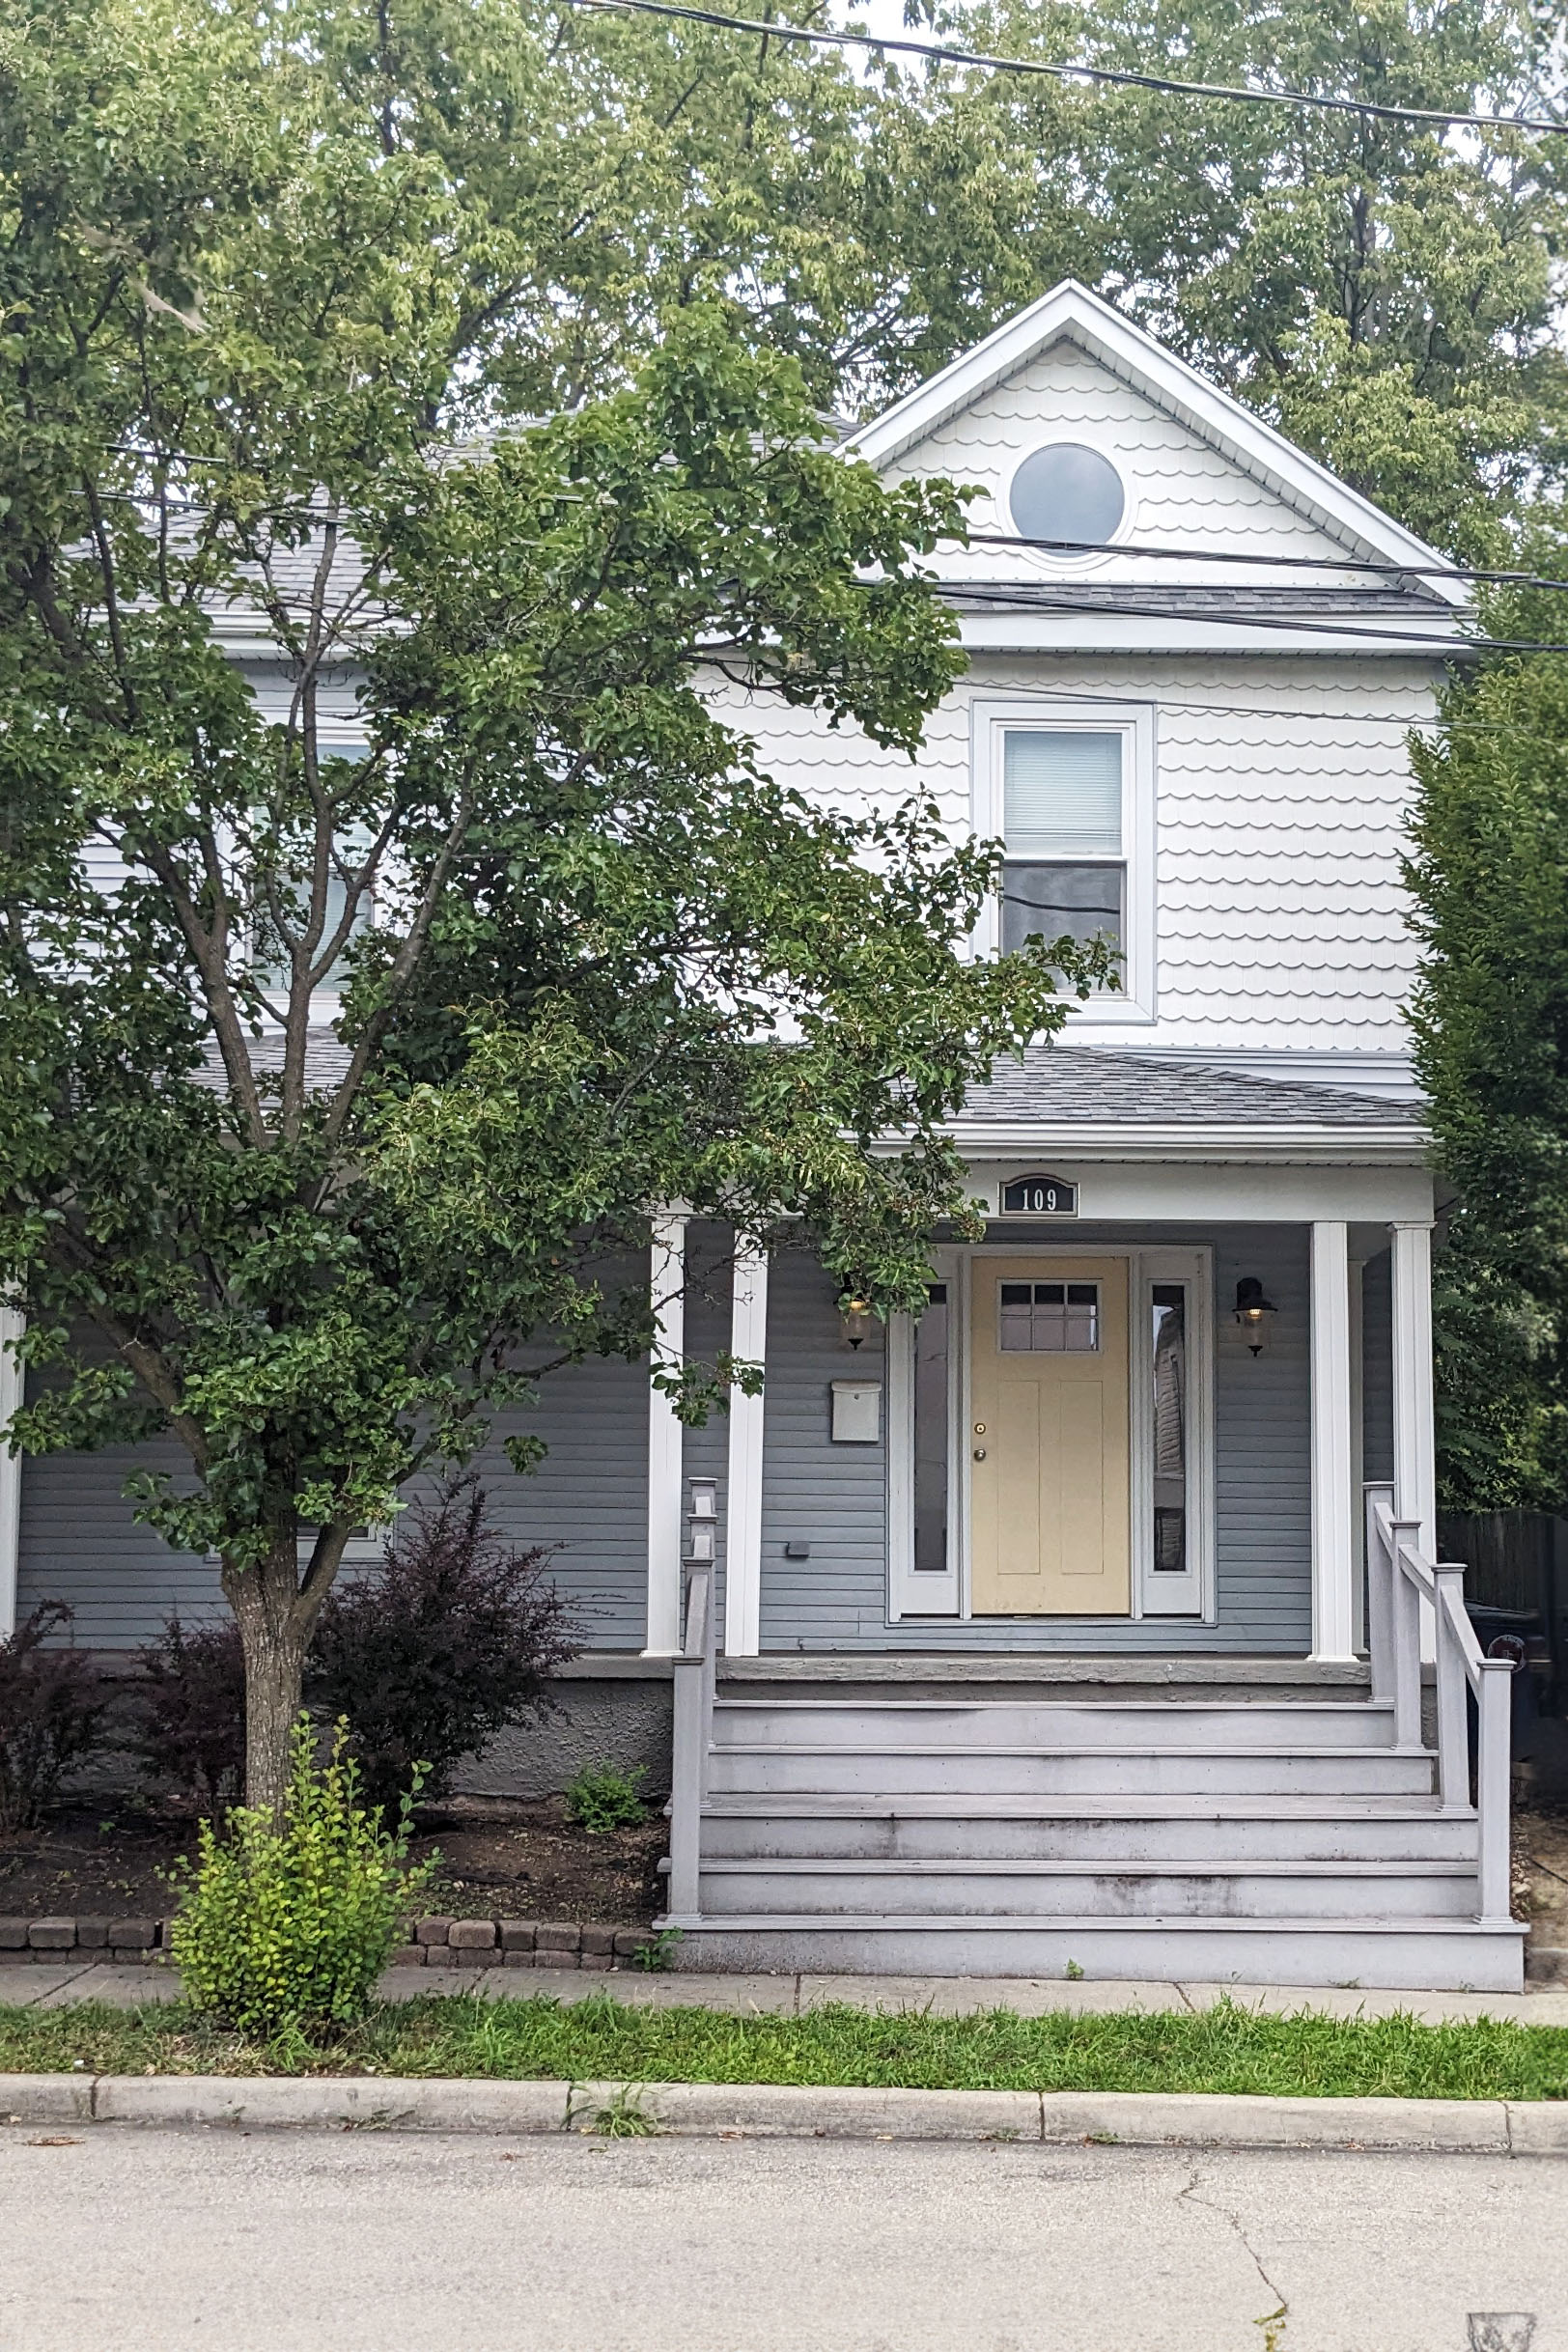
1170, 1428
1048, 1318
932, 1349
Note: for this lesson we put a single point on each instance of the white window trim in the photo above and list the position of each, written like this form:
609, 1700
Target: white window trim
990, 718
1192, 1595
926, 1593
950, 1596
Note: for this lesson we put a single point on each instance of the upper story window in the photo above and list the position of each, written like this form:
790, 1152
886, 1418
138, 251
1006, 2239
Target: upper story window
1069, 789
1066, 870
1067, 493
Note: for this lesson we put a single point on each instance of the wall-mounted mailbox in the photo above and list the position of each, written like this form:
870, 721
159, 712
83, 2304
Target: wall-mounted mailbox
857, 1418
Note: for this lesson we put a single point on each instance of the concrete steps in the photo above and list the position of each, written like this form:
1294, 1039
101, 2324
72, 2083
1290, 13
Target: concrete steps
1266, 1838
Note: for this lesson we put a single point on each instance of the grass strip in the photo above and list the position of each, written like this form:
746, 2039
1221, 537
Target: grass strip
1227, 2048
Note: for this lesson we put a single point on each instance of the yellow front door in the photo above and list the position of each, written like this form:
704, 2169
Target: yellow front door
1048, 1475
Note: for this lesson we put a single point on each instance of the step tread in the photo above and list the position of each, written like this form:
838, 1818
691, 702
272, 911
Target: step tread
794, 1805
838, 1702
1060, 1924
907, 1748
925, 1866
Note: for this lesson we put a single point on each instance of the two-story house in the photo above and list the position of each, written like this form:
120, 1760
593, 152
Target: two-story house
1034, 1631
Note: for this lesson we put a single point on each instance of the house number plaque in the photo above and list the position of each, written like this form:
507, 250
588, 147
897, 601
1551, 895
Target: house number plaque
1039, 1196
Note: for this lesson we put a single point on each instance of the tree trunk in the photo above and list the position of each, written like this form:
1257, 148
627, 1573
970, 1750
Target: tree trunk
273, 1635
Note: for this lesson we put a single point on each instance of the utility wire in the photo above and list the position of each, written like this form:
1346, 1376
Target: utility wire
1048, 600
1121, 77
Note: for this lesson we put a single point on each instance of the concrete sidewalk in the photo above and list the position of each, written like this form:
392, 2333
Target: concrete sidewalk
60, 1987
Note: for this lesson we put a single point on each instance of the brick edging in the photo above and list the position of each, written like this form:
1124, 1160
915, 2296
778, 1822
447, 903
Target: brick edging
436, 1942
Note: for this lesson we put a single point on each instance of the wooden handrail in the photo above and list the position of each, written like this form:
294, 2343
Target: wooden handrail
1399, 1578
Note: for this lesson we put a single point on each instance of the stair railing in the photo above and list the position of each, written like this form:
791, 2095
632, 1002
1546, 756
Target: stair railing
1399, 1578
695, 1669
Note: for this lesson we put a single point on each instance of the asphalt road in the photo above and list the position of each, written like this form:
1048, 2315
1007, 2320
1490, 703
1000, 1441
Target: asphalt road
316, 2242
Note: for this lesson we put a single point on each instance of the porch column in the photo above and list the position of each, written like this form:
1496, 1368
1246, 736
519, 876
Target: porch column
1415, 1477
667, 1279
743, 1523
1333, 1525
10, 1469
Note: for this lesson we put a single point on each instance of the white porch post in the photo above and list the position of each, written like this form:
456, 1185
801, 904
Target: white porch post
1333, 1531
743, 1525
1415, 1479
10, 1469
667, 1275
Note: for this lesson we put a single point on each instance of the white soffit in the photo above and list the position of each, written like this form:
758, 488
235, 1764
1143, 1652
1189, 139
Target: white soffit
1071, 313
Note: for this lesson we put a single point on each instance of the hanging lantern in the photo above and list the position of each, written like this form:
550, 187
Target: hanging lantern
1252, 1312
856, 1321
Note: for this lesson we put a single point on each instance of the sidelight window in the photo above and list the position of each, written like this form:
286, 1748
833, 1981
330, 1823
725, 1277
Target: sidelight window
932, 1345
1169, 1452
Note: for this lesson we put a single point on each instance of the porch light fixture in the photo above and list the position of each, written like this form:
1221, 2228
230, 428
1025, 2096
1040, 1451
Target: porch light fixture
855, 1321
1251, 1308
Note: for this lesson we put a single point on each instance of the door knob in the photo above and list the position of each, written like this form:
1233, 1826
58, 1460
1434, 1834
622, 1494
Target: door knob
979, 1453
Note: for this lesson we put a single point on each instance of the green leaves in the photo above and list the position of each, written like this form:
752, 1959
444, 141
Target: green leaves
289, 1926
1491, 1016
446, 923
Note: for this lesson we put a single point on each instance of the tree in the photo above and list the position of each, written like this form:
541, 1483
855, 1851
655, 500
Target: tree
1384, 290
260, 405
1490, 875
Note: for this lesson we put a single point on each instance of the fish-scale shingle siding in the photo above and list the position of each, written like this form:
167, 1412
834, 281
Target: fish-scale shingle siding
1182, 490
1283, 784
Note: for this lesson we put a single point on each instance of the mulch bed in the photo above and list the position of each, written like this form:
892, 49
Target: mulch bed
498, 1856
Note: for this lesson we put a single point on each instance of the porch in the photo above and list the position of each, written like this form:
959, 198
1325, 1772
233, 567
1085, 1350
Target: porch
1079, 1623
1136, 1421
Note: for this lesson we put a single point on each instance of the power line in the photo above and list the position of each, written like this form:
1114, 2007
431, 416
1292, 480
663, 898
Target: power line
1050, 600
1119, 76
1233, 555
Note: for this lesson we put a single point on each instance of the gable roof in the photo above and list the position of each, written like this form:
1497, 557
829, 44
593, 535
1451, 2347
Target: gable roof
1069, 313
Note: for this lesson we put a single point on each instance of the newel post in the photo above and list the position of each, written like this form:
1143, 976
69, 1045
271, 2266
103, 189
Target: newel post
688, 1762
1406, 1610
1453, 1710
1380, 1573
1494, 1706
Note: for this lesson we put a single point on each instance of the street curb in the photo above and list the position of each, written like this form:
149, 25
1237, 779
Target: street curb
766, 2110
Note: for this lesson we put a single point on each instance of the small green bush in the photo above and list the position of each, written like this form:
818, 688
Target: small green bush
604, 1798
292, 1927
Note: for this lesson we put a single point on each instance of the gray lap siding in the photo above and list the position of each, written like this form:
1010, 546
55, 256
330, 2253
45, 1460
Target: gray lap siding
589, 1498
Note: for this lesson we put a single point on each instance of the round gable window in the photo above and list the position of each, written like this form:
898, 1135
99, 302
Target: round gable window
1067, 491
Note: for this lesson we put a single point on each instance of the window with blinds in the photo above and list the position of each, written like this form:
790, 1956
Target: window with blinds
1062, 823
